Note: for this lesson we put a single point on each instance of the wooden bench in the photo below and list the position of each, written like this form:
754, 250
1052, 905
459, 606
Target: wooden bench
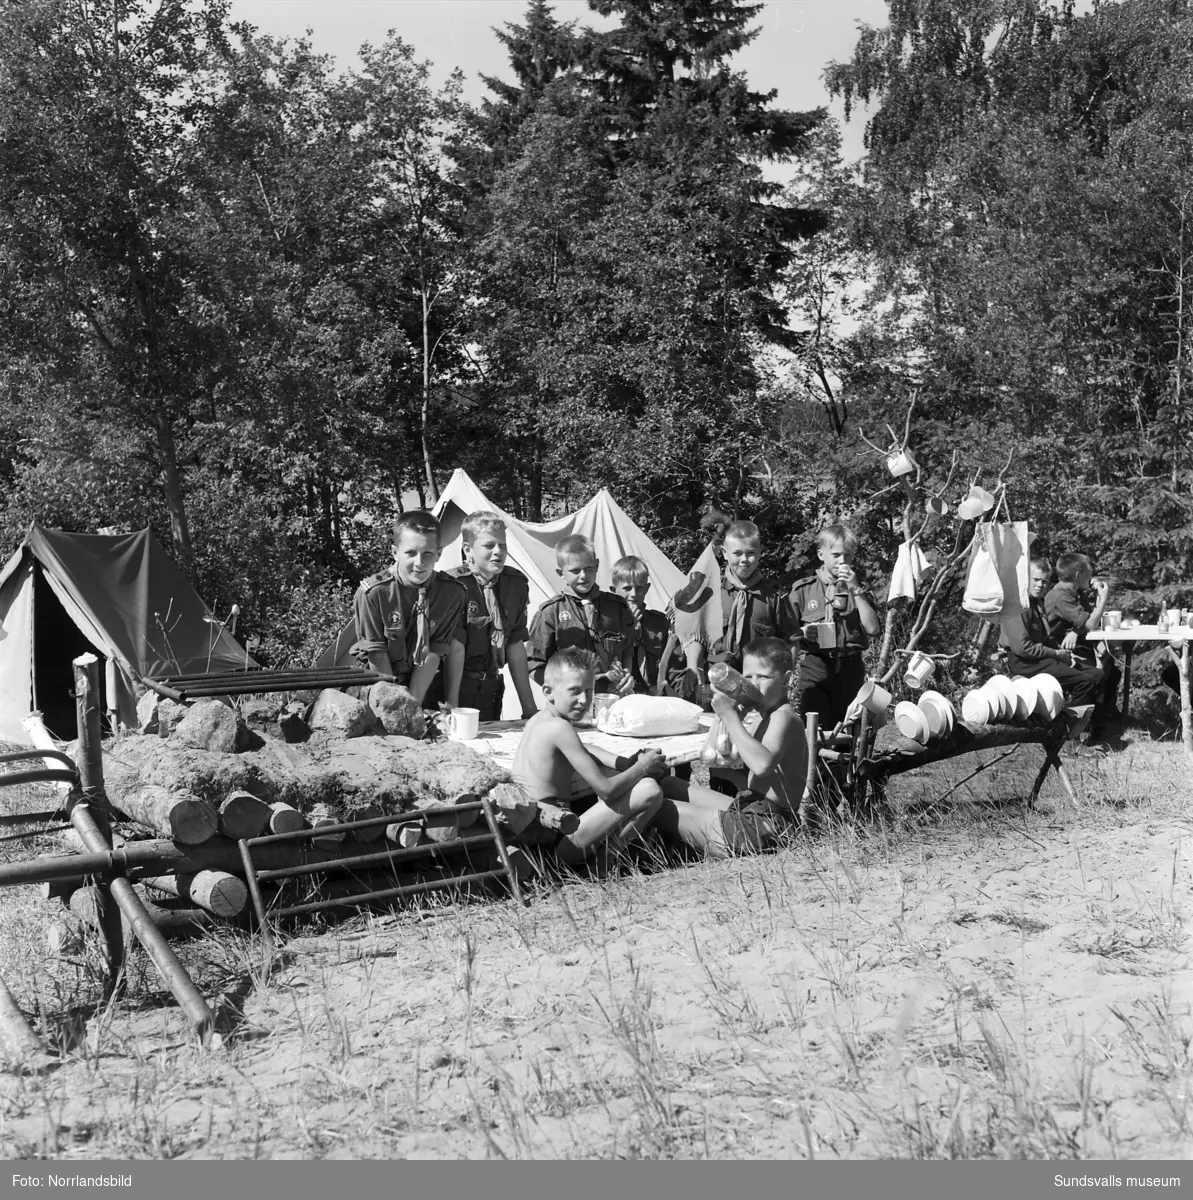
900, 754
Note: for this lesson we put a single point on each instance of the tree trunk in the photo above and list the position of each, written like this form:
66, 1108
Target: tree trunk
535, 497
432, 489
167, 450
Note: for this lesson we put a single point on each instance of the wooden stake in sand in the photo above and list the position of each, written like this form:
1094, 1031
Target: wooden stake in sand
183, 817
18, 1036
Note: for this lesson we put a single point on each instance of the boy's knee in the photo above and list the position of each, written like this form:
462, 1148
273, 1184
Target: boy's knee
646, 796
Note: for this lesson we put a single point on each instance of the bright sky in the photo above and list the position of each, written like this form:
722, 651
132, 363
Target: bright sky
798, 38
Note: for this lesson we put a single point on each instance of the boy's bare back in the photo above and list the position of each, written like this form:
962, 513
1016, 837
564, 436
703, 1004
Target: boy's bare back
783, 732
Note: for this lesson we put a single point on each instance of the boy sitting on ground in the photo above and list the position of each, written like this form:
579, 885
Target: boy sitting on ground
495, 632
583, 616
631, 581
626, 789
775, 758
408, 615
752, 606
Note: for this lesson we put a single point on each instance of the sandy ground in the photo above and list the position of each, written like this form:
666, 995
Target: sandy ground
973, 981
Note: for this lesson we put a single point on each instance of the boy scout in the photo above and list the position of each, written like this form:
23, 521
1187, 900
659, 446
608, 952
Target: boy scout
495, 630
408, 615
752, 606
631, 581
830, 676
584, 616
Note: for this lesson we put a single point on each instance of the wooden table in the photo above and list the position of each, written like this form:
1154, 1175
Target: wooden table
499, 740
1144, 633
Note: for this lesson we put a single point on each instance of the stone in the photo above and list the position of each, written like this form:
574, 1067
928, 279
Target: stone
147, 713
157, 715
293, 728
210, 725
260, 714
339, 715
397, 710
169, 713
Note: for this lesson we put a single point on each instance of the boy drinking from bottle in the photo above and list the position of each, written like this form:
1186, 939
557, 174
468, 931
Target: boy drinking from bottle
831, 675
775, 766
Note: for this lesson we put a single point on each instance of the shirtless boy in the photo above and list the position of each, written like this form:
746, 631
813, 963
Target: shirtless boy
626, 789
775, 757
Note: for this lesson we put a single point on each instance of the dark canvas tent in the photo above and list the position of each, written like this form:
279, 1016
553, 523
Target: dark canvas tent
119, 596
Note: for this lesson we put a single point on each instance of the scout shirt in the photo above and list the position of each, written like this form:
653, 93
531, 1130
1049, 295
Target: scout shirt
384, 611
1065, 609
653, 632
767, 614
811, 599
1035, 643
561, 622
513, 599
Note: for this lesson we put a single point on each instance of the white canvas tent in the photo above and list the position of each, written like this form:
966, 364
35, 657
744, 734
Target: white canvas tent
531, 549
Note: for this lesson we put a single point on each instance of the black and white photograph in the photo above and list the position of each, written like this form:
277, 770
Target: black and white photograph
600, 580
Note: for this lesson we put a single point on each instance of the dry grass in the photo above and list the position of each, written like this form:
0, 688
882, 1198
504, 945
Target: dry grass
971, 980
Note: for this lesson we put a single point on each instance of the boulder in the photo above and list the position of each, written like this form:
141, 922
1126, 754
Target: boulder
210, 725
260, 714
293, 728
397, 710
338, 715
157, 715
147, 713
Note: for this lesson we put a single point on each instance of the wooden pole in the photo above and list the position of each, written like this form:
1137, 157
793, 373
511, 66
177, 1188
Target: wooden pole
1182, 666
90, 753
243, 815
181, 816
218, 892
812, 729
94, 804
22, 1042
189, 998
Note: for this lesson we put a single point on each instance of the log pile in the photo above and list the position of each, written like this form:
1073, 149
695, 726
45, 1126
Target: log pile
184, 807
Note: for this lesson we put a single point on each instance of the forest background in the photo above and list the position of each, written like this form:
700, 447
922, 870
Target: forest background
254, 300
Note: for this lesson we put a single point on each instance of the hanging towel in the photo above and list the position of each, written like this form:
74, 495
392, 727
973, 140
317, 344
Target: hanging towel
910, 565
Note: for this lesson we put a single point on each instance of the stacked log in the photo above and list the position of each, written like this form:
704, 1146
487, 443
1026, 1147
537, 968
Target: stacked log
198, 804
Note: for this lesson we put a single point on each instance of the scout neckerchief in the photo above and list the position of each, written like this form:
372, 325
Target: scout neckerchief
739, 592
422, 627
586, 608
496, 617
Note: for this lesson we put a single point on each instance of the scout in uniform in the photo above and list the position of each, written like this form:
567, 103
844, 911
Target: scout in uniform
752, 606
830, 676
495, 632
1032, 650
1072, 608
584, 616
408, 615
631, 581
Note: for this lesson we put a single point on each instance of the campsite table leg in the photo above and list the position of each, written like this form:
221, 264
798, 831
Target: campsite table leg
1128, 650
